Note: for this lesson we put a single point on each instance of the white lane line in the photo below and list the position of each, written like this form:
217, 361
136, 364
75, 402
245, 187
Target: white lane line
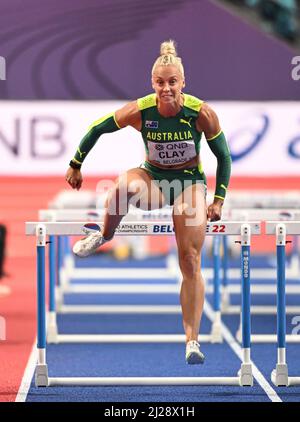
234, 345
28, 375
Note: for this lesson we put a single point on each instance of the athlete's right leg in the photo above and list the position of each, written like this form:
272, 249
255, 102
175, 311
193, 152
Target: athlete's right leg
135, 187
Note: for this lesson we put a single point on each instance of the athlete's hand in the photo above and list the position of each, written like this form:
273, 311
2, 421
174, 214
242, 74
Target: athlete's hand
214, 211
74, 178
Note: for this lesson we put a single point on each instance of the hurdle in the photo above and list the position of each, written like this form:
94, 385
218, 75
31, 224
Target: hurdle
215, 336
67, 270
42, 229
293, 272
57, 306
280, 375
53, 336
64, 274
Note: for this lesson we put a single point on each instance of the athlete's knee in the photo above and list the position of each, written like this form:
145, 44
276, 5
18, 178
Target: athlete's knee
189, 262
117, 199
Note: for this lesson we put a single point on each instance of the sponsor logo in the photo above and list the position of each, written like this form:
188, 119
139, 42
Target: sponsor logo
245, 264
186, 122
90, 228
189, 171
164, 228
151, 124
81, 153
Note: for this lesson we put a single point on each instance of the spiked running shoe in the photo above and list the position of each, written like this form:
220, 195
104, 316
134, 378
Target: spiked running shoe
89, 244
193, 355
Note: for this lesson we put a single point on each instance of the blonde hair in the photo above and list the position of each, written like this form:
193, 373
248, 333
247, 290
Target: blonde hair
168, 56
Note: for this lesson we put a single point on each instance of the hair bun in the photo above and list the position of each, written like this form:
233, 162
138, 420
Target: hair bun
168, 47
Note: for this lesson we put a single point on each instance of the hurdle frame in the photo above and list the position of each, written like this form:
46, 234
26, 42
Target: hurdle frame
63, 275
41, 230
279, 375
215, 336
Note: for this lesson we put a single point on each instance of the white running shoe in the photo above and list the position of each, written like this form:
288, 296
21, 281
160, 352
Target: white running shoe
193, 355
89, 244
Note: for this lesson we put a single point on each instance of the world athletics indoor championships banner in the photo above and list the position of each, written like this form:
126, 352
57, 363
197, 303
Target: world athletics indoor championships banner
40, 138
105, 49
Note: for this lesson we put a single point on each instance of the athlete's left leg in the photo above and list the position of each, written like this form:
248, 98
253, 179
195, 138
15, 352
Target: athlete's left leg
189, 216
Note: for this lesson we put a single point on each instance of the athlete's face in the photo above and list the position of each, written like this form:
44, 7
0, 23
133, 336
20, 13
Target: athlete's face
167, 83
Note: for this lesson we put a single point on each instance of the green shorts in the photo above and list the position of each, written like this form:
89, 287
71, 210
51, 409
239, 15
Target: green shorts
173, 182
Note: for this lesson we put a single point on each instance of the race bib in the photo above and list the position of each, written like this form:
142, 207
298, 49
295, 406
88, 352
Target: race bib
169, 153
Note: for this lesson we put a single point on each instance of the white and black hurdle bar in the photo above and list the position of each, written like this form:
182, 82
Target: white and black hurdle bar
41, 230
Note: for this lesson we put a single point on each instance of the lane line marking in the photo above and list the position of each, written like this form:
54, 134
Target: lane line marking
237, 349
28, 375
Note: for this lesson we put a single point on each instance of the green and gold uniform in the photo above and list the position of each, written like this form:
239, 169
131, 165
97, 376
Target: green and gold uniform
169, 141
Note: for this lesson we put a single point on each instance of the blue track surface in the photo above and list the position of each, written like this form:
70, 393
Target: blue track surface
123, 360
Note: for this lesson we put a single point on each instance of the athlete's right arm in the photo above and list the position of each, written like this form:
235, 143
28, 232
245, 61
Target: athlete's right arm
129, 115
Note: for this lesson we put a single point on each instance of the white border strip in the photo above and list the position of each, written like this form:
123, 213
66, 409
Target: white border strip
226, 334
28, 375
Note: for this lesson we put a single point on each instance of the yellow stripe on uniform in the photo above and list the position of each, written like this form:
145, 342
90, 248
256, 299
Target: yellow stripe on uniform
192, 102
223, 186
115, 120
221, 197
76, 161
147, 102
102, 119
200, 168
214, 137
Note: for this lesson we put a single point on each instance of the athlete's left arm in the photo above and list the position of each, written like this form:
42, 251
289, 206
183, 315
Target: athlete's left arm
208, 122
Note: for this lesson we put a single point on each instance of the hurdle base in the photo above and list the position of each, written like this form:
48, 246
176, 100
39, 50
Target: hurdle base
115, 381
225, 299
128, 338
41, 375
216, 329
280, 376
59, 298
245, 374
52, 334
239, 335
216, 333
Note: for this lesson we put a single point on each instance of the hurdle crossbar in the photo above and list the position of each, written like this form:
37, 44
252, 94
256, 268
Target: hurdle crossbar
290, 227
136, 228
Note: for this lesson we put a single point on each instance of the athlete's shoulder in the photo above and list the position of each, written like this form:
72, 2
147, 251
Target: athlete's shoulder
192, 102
146, 102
